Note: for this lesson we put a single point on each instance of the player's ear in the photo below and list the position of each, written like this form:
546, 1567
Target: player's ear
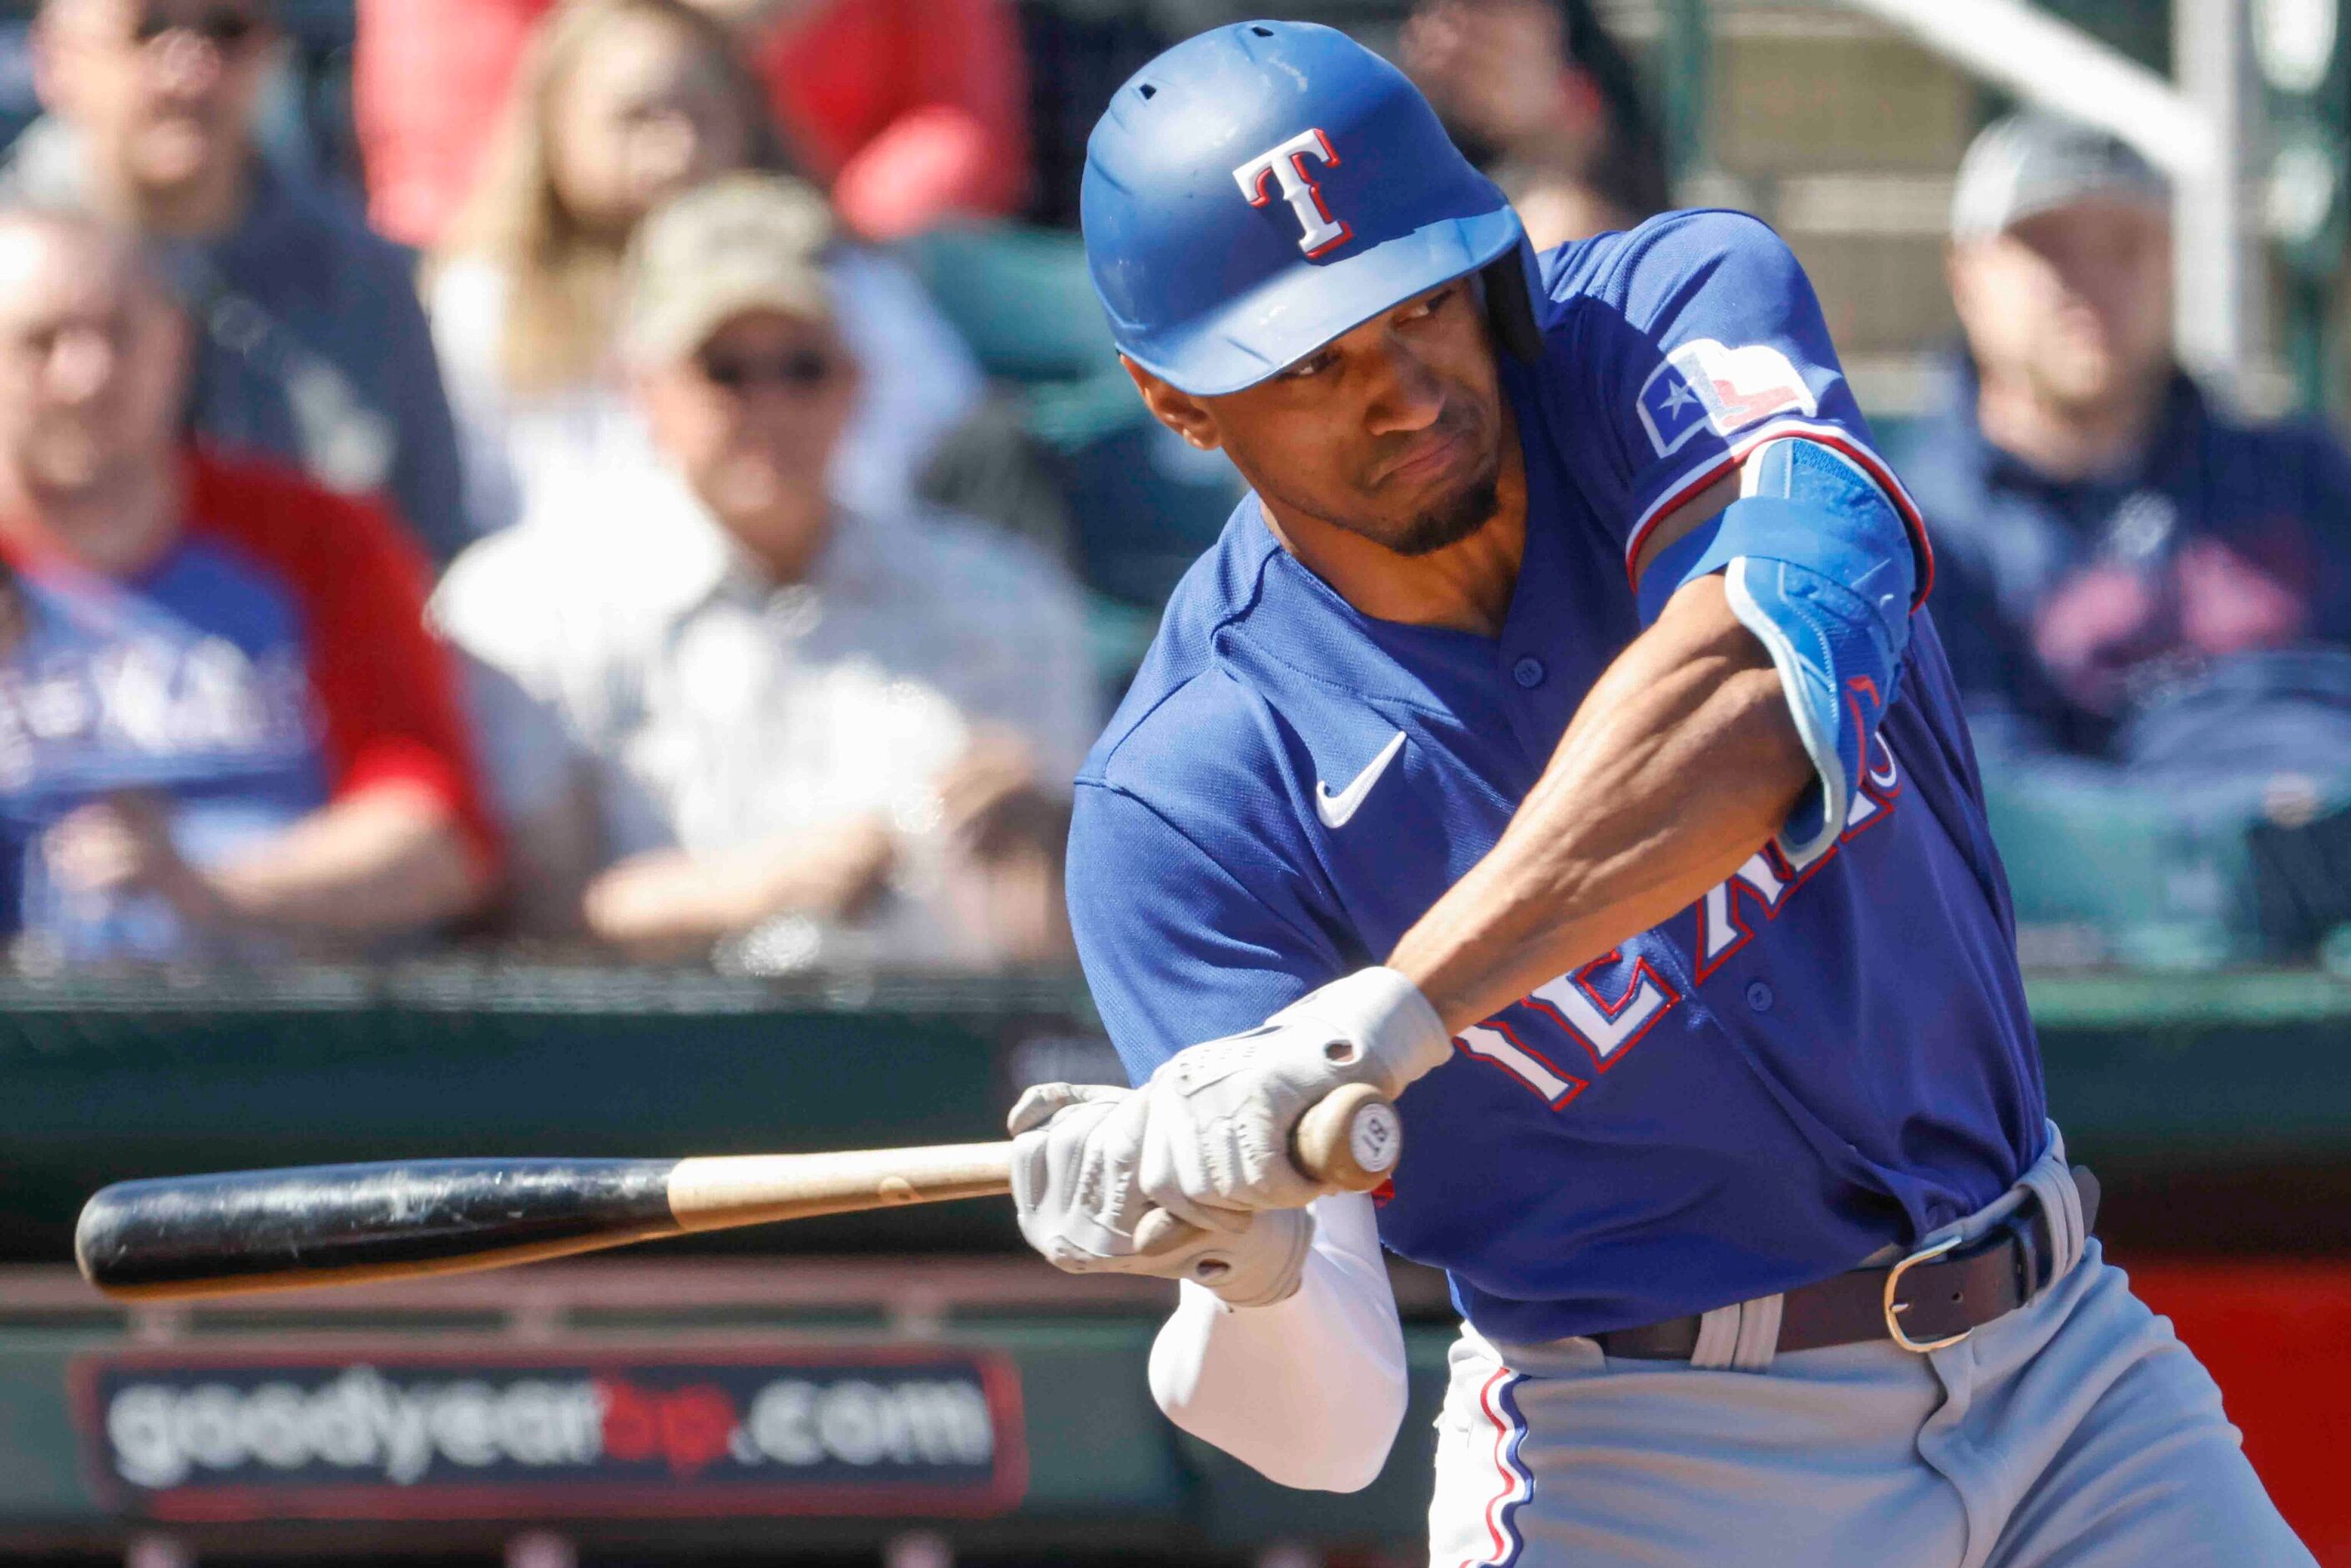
1178, 409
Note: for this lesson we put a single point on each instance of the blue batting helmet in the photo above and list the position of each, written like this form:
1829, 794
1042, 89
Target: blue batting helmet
1259, 190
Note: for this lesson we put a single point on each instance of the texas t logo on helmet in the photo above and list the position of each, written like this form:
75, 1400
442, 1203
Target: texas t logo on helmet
1286, 164
1214, 294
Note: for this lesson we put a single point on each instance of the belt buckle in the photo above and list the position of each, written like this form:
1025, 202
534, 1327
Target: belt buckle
1895, 1309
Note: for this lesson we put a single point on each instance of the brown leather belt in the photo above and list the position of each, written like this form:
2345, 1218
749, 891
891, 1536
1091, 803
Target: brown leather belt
1937, 1296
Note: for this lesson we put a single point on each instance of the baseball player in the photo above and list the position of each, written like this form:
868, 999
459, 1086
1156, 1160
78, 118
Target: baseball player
1555, 740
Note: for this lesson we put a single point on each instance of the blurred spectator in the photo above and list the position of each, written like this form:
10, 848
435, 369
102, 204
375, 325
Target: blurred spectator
620, 103
311, 344
1542, 96
224, 727
2139, 591
1080, 52
729, 706
910, 109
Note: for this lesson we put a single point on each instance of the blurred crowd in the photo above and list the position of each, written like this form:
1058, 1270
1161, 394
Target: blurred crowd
671, 495
2146, 597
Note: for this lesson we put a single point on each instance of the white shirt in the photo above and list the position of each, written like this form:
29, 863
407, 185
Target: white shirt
524, 452
713, 709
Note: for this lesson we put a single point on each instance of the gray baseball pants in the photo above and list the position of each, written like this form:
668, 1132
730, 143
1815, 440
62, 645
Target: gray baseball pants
2076, 1432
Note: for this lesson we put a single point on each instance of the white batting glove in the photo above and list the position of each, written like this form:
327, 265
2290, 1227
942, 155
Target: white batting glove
1074, 1184
1216, 1142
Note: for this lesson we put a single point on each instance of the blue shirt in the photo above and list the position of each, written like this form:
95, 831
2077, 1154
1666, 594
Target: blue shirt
189, 680
1759, 1091
2112, 616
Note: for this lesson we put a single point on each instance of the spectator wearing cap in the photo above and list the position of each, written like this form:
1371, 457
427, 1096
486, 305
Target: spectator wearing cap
719, 705
619, 104
1544, 98
2137, 588
225, 730
312, 345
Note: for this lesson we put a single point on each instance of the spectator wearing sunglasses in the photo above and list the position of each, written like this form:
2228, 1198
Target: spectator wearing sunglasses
312, 345
725, 711
618, 105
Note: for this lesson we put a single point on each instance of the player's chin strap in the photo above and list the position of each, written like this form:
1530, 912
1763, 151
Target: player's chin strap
1817, 564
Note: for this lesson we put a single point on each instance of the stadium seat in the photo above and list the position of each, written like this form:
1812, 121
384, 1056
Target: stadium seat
1143, 503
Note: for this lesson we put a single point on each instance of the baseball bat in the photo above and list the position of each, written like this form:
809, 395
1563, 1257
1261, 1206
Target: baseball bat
174, 1237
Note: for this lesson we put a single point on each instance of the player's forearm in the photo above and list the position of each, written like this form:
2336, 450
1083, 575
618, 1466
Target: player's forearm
386, 860
1309, 1392
1682, 761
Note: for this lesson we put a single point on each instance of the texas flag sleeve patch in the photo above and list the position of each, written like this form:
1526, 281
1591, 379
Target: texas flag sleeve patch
1702, 385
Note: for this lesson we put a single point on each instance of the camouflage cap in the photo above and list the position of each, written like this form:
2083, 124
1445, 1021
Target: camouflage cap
745, 242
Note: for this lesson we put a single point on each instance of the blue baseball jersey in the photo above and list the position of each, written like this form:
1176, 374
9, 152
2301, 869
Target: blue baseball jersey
1766, 1088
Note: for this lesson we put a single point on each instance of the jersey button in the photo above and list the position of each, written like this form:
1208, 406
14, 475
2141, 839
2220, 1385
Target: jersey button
1759, 995
1528, 671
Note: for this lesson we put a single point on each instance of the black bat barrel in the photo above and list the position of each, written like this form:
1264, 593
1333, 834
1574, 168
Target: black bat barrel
307, 1225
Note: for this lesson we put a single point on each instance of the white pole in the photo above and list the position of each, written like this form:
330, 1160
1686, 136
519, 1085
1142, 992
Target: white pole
2200, 134
2055, 64
2219, 311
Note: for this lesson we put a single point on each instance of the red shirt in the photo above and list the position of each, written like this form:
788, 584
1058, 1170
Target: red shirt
910, 109
386, 687
271, 660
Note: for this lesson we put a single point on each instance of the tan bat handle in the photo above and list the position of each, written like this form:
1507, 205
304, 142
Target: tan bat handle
1349, 1142
718, 1191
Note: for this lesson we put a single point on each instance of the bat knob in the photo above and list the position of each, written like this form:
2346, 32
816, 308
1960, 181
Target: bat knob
1351, 1140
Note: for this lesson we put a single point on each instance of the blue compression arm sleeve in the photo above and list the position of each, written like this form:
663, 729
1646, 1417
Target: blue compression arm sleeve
1817, 564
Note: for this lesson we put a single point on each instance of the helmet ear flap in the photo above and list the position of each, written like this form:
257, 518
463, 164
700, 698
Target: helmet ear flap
1511, 305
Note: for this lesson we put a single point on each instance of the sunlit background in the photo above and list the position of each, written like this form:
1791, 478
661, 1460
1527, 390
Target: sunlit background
448, 708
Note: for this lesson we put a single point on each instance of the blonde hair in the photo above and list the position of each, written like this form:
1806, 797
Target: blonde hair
562, 278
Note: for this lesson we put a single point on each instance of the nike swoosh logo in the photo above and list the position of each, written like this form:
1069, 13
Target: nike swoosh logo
1335, 810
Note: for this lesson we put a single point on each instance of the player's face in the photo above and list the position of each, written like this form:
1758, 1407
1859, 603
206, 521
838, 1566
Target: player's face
1392, 431
91, 362
2075, 303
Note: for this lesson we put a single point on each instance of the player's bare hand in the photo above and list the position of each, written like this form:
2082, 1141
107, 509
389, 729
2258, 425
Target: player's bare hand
1216, 1142
1073, 1185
